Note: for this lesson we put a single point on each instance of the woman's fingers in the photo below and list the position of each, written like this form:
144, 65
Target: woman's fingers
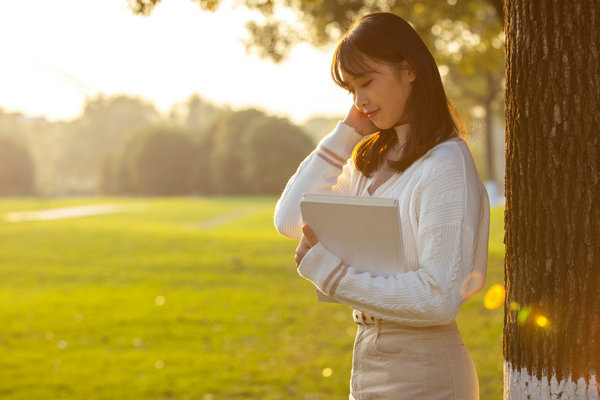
359, 121
309, 239
301, 250
310, 235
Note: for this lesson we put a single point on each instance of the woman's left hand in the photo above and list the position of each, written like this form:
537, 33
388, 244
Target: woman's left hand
309, 239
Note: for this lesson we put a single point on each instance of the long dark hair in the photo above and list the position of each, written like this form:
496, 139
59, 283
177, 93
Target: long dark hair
387, 38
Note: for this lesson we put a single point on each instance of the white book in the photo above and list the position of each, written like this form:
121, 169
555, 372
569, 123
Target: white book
363, 231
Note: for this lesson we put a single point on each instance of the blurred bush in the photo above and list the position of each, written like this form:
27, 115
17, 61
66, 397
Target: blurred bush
156, 160
16, 169
272, 149
244, 152
227, 159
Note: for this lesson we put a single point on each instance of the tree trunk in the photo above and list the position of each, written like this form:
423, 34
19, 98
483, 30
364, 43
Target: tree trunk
489, 142
552, 218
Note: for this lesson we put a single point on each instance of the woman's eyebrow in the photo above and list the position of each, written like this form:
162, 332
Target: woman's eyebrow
366, 72
359, 75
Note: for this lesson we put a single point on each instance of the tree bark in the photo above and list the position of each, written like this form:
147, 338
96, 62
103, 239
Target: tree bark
552, 217
490, 152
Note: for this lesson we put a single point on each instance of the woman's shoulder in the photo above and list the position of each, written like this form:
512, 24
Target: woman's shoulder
450, 152
449, 162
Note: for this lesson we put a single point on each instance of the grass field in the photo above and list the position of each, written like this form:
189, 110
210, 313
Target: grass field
183, 298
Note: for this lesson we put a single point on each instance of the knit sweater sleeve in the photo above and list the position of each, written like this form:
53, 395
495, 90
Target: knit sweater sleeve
448, 204
326, 170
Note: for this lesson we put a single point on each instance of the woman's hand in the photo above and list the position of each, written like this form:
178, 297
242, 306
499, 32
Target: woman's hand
359, 121
309, 239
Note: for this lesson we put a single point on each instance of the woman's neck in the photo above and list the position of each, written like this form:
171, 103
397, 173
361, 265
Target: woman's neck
402, 132
396, 151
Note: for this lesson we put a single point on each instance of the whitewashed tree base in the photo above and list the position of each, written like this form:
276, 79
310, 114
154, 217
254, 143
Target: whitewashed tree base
520, 385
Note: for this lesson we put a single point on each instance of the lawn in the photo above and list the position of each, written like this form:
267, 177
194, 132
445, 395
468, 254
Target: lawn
183, 298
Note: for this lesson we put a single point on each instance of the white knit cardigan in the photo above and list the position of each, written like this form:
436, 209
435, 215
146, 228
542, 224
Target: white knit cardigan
444, 216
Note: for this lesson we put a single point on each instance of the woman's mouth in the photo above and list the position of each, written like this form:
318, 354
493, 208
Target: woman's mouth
371, 114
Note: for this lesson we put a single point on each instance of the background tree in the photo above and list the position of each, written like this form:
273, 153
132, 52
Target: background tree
197, 116
243, 152
317, 127
465, 36
195, 113
159, 160
203, 180
115, 178
16, 169
552, 308
88, 140
272, 148
320, 21
226, 156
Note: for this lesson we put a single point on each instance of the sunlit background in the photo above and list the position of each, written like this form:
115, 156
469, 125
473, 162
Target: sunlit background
109, 288
56, 54
78, 77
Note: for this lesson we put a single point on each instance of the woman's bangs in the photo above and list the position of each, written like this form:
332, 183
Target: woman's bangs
348, 58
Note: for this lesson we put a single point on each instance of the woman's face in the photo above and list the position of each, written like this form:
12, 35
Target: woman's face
381, 92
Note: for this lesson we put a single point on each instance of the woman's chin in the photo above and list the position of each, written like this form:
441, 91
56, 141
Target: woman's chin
382, 126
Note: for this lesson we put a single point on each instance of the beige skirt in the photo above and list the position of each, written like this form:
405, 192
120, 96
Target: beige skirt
394, 362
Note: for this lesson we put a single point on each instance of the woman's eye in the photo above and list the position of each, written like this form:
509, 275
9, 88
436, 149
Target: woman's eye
367, 83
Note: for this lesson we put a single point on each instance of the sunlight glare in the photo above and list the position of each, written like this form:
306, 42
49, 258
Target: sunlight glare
523, 315
160, 300
327, 372
51, 74
541, 321
494, 297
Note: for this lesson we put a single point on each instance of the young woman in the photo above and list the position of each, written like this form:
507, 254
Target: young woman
398, 140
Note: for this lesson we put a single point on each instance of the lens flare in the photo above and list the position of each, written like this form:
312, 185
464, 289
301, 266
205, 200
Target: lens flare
523, 315
514, 306
327, 372
541, 321
494, 297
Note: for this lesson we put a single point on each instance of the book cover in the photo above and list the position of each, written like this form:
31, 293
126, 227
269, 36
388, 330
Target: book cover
363, 231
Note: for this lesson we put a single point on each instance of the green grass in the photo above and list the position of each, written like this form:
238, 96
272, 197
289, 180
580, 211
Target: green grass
81, 313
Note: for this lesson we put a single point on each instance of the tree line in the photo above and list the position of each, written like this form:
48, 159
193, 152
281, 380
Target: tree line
244, 152
122, 146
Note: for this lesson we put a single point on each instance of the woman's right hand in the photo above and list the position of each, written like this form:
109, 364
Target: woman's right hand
359, 121
309, 239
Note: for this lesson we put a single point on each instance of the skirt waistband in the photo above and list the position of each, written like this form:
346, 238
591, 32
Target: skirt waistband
362, 318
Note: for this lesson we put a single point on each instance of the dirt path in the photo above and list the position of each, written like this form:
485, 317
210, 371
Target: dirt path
71, 212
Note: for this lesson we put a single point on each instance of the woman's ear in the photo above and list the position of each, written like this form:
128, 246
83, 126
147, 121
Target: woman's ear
410, 74
406, 71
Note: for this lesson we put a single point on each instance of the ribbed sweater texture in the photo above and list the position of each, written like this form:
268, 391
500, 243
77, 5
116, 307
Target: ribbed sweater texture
444, 217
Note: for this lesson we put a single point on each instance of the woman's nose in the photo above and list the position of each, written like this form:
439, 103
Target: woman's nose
360, 101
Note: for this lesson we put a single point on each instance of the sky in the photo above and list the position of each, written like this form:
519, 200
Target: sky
57, 53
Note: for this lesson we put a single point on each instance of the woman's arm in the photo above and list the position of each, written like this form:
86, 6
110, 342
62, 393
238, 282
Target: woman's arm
325, 170
451, 209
